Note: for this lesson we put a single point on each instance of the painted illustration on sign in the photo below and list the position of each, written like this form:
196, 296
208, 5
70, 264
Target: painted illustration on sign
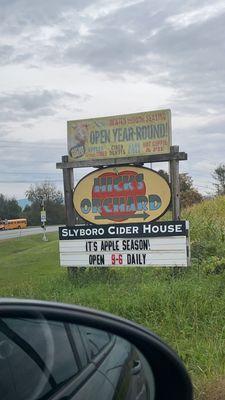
122, 194
120, 136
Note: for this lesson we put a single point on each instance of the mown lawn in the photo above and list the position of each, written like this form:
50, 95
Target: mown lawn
185, 308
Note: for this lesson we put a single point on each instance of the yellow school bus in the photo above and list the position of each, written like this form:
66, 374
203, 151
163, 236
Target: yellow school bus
19, 223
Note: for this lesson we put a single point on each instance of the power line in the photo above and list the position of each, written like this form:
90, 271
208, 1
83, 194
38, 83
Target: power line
33, 146
32, 143
29, 173
32, 181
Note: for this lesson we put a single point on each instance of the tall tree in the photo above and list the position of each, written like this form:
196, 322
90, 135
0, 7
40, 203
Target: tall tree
164, 174
189, 195
9, 208
219, 176
53, 202
46, 191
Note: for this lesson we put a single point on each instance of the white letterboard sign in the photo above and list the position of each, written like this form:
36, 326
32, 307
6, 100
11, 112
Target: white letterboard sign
144, 245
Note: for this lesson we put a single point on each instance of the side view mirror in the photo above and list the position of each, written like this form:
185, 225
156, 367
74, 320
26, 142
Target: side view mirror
58, 351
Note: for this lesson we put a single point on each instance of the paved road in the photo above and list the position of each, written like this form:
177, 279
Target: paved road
15, 233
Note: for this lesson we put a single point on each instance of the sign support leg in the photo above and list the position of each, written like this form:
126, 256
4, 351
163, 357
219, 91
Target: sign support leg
175, 184
175, 189
68, 183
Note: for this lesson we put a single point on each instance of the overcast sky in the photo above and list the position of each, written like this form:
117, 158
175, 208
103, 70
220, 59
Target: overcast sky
71, 59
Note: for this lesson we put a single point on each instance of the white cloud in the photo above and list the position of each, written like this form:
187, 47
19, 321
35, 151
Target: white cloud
197, 16
62, 60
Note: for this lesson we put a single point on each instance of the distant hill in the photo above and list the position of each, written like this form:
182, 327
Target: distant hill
23, 203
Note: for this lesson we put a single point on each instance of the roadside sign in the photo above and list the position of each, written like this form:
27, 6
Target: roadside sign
123, 194
119, 136
155, 244
43, 216
121, 201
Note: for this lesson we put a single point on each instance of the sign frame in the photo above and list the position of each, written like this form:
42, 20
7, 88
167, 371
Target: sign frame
173, 156
130, 167
142, 245
116, 159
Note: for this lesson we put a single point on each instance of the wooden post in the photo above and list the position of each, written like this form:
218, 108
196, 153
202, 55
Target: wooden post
175, 183
68, 182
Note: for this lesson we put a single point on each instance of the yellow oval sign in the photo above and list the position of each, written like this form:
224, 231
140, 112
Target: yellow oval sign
124, 194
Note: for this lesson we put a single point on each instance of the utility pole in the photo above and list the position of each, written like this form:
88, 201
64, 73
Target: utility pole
43, 219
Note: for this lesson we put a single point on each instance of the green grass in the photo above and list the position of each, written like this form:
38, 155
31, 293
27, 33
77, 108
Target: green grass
186, 308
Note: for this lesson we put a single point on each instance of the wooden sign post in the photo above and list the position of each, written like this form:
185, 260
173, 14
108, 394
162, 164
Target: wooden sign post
175, 182
116, 141
68, 184
174, 157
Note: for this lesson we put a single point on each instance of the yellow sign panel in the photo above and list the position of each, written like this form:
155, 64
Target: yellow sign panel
120, 136
121, 195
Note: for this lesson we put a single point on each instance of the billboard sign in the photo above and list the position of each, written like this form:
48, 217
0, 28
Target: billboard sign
125, 194
119, 136
155, 244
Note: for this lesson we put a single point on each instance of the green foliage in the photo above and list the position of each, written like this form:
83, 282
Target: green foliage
214, 265
164, 174
189, 195
9, 208
207, 222
46, 191
53, 204
186, 307
219, 176
55, 213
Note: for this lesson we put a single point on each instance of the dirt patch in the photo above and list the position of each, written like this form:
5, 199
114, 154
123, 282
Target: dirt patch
214, 391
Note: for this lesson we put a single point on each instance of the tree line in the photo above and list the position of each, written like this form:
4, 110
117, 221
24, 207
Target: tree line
46, 193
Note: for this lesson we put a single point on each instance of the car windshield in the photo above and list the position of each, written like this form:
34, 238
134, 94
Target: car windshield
112, 178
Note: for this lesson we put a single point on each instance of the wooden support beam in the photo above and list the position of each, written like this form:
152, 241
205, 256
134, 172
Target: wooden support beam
123, 161
175, 183
68, 183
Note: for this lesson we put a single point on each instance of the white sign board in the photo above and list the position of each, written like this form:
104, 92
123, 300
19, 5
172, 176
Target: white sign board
151, 244
43, 216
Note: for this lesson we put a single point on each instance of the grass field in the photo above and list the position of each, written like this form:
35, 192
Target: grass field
187, 308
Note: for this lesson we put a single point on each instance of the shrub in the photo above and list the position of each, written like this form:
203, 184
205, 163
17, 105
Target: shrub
214, 265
